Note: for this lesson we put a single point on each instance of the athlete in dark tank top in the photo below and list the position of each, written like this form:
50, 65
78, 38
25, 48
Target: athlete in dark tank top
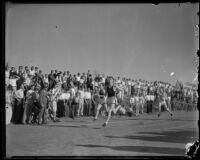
110, 91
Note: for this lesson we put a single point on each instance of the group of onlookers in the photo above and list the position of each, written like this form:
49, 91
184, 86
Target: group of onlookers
34, 97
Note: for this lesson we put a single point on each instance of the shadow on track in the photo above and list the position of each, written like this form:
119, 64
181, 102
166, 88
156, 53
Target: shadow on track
146, 149
166, 136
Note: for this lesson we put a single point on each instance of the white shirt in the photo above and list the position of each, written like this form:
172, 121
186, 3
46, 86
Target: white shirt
78, 78
129, 83
149, 97
88, 95
19, 93
64, 78
7, 77
132, 100
28, 81
7, 74
103, 80
81, 81
64, 96
72, 90
32, 72
118, 81
13, 82
46, 80
96, 84
81, 94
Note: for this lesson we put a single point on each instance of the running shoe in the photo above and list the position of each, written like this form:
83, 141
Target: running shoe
104, 125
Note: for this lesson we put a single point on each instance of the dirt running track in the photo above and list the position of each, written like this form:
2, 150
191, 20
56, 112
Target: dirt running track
124, 136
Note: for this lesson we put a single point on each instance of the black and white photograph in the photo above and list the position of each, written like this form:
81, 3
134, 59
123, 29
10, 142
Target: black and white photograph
107, 79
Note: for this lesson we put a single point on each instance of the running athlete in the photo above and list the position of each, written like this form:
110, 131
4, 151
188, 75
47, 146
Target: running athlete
101, 101
162, 99
111, 100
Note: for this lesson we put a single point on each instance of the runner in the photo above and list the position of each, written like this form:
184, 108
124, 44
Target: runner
111, 100
101, 102
162, 101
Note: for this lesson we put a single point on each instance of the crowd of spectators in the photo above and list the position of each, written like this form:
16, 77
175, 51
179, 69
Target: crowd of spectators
30, 93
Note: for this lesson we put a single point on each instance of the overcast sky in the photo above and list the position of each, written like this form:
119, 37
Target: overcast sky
131, 40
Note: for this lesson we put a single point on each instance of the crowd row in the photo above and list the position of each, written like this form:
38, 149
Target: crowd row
30, 94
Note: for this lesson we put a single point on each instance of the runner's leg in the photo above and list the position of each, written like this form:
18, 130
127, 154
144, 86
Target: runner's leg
167, 108
98, 109
110, 109
159, 108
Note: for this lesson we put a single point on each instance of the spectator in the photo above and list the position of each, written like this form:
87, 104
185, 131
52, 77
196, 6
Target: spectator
46, 80
51, 79
9, 103
32, 71
43, 99
88, 105
81, 95
18, 105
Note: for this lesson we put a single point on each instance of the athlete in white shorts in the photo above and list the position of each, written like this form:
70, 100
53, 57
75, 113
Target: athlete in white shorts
163, 102
111, 100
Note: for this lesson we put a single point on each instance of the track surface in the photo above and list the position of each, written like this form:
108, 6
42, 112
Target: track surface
146, 135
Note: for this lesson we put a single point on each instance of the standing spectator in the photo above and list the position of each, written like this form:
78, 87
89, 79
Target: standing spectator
36, 70
51, 79
28, 105
12, 72
13, 79
32, 71
26, 71
74, 105
43, 99
88, 73
21, 80
89, 82
64, 78
20, 71
36, 107
18, 106
7, 75
81, 101
9, 103
28, 79
88, 104
72, 102
55, 74
46, 80
59, 78
54, 95
129, 86
82, 80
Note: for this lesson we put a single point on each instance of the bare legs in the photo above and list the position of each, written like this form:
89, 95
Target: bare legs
163, 103
111, 108
98, 109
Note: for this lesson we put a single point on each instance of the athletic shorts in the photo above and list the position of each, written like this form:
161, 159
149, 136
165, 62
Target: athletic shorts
111, 100
102, 100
